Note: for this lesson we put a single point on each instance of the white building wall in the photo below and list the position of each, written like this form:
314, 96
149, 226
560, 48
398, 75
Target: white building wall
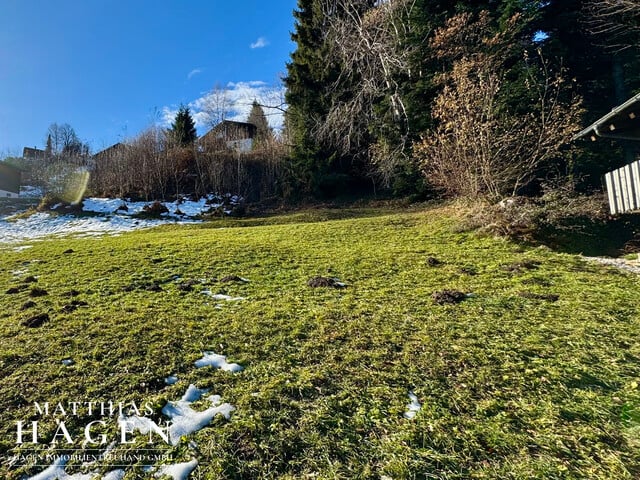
5, 194
244, 145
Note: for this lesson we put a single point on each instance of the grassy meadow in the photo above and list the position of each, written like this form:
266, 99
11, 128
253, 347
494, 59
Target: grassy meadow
534, 374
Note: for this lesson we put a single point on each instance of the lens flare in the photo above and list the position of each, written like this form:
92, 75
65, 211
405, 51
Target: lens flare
75, 185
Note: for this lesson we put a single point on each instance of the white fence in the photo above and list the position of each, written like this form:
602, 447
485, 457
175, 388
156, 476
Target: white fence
623, 188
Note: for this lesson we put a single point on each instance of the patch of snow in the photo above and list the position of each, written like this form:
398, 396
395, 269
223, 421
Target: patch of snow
171, 380
21, 248
28, 191
185, 420
414, 406
632, 266
114, 475
220, 296
179, 471
110, 220
53, 472
211, 359
42, 225
188, 208
56, 471
142, 424
193, 394
67, 362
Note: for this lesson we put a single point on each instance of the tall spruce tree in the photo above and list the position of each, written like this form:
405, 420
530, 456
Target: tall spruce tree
306, 82
183, 128
257, 117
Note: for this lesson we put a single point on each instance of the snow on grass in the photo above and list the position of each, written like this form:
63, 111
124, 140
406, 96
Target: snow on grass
108, 219
220, 296
414, 406
114, 475
42, 225
171, 380
21, 248
56, 471
144, 425
179, 471
53, 472
67, 362
182, 208
211, 359
184, 419
27, 191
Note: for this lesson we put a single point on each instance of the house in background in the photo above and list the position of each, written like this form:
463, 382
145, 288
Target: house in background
622, 184
10, 178
34, 154
237, 136
116, 150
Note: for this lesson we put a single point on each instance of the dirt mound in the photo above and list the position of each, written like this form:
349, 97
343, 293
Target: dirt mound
36, 321
73, 306
448, 297
316, 282
38, 292
433, 262
233, 278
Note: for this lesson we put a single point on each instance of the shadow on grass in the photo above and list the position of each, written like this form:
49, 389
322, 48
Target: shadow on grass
616, 237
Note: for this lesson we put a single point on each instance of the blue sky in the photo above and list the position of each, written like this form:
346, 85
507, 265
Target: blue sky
110, 68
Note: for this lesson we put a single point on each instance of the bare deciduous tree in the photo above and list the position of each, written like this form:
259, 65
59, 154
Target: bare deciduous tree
216, 105
480, 148
617, 22
367, 41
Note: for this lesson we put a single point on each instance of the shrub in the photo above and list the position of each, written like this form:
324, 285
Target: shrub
153, 210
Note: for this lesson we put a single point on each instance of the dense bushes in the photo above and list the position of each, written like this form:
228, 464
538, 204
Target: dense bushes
148, 168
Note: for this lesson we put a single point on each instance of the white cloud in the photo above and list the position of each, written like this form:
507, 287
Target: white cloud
168, 115
261, 42
193, 72
238, 98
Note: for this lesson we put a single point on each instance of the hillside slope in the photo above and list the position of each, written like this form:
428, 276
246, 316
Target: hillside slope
533, 374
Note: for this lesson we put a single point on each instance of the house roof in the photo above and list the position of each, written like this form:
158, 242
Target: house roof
110, 151
622, 123
9, 178
230, 130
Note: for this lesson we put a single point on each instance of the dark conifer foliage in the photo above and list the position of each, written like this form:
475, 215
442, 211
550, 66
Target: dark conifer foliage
257, 117
183, 128
549, 38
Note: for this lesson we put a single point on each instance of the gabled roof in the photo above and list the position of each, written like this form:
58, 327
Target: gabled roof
109, 152
229, 130
622, 123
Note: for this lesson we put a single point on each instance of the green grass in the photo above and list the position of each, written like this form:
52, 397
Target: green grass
511, 387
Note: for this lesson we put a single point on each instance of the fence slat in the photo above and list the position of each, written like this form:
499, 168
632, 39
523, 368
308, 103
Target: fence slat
623, 188
608, 178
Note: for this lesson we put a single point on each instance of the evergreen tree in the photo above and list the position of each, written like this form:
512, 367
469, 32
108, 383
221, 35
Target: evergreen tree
257, 117
306, 82
183, 128
49, 148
